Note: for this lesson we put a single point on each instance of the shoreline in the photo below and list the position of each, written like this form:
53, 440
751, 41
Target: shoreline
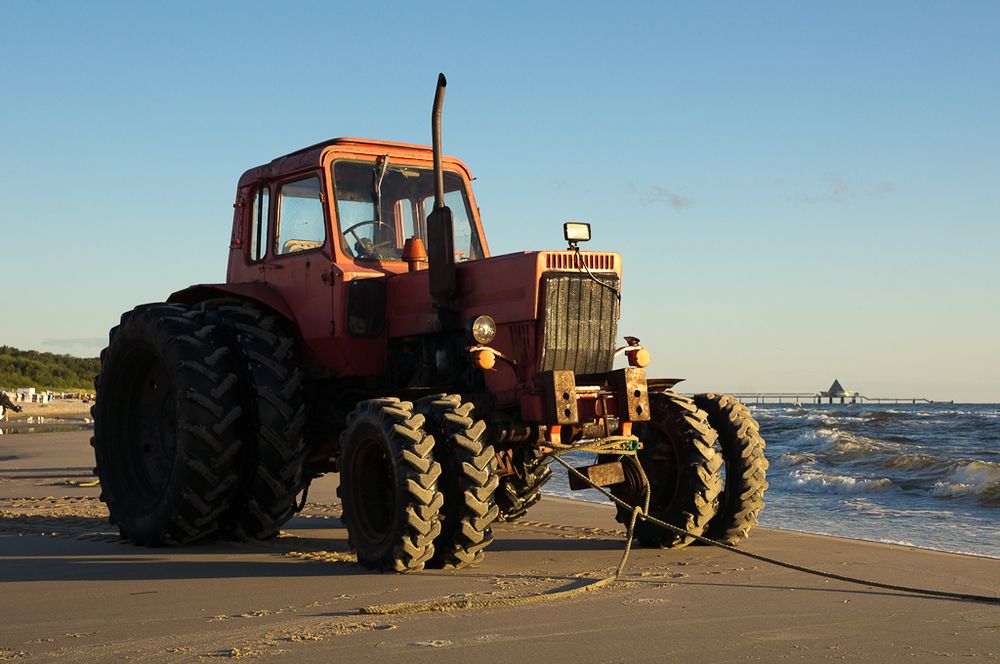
793, 531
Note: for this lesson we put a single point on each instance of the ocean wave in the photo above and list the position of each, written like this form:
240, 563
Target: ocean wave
815, 481
790, 460
914, 461
971, 478
850, 447
883, 511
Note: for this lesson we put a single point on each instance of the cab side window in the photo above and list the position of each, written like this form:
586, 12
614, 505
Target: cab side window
259, 213
301, 225
467, 246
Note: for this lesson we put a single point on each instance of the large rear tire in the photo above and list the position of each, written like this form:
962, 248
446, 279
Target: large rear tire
682, 467
272, 459
468, 480
166, 425
389, 486
517, 493
745, 467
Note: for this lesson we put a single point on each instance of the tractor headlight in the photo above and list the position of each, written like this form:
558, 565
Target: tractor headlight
484, 329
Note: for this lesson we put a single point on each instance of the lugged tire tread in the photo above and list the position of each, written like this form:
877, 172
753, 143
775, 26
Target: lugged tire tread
742, 498
469, 506
272, 470
677, 437
417, 472
516, 494
198, 489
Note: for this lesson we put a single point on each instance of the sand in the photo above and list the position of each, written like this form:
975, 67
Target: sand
68, 409
71, 589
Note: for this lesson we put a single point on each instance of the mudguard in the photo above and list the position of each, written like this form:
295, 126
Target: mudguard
259, 292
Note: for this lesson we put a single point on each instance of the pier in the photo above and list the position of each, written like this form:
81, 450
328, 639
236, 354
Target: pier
836, 392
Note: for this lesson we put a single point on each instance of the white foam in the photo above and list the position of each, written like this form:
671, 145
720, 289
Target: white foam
790, 460
971, 478
815, 481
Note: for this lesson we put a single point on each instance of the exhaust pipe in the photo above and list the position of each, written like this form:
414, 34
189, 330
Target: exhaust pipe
436, 141
442, 274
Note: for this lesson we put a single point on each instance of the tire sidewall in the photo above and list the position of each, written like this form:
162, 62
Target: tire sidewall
361, 433
117, 379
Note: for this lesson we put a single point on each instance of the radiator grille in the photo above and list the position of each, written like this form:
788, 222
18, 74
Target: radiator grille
568, 260
580, 323
521, 336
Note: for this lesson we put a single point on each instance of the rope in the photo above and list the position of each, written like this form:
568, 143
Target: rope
641, 512
300, 505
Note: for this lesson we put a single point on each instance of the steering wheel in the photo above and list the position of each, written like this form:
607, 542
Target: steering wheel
363, 245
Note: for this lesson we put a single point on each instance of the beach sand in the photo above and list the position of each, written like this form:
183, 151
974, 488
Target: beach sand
70, 589
68, 409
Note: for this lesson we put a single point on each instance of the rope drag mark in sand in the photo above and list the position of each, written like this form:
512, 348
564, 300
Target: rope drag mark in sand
572, 532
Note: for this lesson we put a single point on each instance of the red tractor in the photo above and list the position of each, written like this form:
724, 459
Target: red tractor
365, 329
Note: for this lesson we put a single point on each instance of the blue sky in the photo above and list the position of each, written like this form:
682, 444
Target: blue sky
800, 191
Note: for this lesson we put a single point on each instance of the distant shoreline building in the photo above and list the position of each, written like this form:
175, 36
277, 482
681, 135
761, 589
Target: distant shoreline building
837, 391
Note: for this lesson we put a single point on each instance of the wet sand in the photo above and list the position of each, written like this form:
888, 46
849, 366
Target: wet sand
70, 589
69, 409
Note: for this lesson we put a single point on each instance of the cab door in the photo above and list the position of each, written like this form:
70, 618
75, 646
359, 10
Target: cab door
300, 259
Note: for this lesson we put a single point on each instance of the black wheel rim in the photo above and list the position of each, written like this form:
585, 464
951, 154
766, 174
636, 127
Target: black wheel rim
148, 442
659, 461
372, 493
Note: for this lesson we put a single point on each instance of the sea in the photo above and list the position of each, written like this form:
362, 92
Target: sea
920, 475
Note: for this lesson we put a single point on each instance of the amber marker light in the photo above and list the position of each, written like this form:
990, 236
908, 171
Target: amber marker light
415, 254
638, 357
485, 359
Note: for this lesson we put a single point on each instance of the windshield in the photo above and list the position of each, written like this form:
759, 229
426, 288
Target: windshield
407, 199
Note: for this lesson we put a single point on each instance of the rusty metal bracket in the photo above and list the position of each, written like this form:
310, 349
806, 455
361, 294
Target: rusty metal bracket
559, 388
629, 385
600, 474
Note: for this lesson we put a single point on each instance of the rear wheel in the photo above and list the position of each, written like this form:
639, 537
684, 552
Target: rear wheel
682, 467
742, 497
166, 425
271, 466
468, 481
389, 486
517, 493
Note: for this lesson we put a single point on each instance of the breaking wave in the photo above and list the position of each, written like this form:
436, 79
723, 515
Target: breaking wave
816, 481
976, 479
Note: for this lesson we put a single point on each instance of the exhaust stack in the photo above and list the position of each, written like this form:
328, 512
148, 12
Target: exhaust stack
440, 228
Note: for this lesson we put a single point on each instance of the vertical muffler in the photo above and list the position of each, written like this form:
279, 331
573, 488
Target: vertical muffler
440, 229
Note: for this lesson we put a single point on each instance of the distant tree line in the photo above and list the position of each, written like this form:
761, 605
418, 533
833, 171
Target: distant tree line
46, 371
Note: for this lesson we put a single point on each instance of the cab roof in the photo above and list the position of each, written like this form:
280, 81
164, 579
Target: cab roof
312, 157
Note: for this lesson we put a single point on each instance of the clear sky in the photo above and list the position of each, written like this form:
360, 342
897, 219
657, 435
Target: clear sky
801, 191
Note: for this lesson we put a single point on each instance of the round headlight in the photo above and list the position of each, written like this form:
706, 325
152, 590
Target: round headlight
484, 329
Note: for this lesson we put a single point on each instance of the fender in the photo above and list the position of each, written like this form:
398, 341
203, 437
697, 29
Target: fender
258, 292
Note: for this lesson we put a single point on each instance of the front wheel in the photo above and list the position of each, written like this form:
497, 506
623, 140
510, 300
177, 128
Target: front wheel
682, 468
389, 486
745, 467
517, 493
468, 482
